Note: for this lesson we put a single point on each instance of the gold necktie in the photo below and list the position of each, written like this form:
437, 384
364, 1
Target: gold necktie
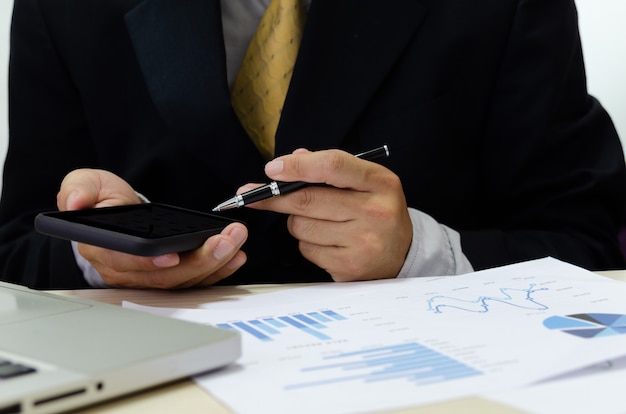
261, 85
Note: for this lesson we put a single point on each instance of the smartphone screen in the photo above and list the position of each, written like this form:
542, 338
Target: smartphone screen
148, 229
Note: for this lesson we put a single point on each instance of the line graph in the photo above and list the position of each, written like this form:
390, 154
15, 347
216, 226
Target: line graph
517, 297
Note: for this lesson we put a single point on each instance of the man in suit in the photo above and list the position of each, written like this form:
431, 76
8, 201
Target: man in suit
498, 154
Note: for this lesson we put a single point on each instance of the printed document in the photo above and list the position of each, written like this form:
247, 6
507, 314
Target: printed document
370, 346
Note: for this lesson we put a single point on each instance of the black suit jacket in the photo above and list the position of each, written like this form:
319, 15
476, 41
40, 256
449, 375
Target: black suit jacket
483, 105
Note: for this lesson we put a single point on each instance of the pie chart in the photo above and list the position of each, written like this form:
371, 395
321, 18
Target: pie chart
588, 325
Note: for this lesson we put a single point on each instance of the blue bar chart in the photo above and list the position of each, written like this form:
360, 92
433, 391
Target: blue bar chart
411, 362
267, 329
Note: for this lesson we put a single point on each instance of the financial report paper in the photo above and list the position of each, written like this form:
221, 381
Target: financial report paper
370, 346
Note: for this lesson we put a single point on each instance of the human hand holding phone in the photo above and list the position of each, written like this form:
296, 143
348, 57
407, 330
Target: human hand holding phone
216, 258
147, 229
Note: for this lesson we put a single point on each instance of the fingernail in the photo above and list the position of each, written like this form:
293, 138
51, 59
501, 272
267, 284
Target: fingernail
239, 235
223, 249
236, 262
69, 202
274, 167
166, 260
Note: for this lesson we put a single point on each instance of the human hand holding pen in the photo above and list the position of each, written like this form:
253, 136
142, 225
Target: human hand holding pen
276, 188
356, 227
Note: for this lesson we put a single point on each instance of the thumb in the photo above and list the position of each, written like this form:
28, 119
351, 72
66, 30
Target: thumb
74, 201
80, 189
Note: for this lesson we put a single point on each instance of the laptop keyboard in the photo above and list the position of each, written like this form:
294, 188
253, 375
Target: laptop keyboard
10, 369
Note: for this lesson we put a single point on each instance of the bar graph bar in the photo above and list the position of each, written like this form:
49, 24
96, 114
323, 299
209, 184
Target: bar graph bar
304, 327
334, 315
262, 326
319, 317
411, 362
268, 329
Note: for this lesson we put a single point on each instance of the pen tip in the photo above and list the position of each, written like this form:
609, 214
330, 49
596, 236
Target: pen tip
228, 204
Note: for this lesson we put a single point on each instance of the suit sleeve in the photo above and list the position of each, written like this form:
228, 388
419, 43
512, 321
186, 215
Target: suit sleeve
553, 166
48, 138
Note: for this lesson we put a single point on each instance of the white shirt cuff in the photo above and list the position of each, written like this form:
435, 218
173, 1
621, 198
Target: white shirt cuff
89, 272
435, 249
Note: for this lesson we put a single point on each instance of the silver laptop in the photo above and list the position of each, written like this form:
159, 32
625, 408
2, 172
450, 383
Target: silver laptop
59, 353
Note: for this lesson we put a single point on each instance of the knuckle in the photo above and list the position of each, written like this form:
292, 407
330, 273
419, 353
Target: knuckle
112, 278
389, 181
334, 162
108, 278
357, 268
308, 250
301, 225
351, 270
160, 280
339, 277
379, 213
349, 266
303, 199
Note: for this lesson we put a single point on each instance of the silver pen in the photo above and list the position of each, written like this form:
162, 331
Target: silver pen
276, 188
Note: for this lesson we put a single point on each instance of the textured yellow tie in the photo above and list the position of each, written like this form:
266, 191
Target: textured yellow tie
261, 85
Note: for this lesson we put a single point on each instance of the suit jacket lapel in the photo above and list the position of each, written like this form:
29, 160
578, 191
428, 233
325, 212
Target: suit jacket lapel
347, 50
180, 48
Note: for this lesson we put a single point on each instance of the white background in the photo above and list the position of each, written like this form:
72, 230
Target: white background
603, 32
5, 19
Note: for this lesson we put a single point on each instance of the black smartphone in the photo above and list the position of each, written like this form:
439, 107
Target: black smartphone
149, 229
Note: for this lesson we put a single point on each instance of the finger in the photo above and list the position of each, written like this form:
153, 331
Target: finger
84, 188
223, 272
353, 262
332, 204
340, 263
339, 233
248, 187
319, 232
79, 189
333, 167
216, 259
123, 269
323, 203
